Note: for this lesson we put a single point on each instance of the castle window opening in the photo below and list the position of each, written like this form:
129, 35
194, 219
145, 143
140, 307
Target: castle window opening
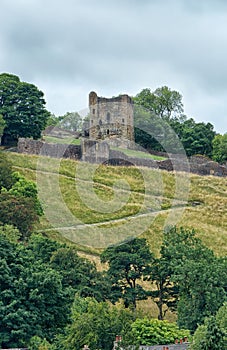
93, 111
123, 120
108, 117
107, 131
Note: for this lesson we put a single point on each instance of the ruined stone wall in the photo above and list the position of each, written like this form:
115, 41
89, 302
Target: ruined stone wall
55, 150
99, 152
95, 152
111, 118
204, 166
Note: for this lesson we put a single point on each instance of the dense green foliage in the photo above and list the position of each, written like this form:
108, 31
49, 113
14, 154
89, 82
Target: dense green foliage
18, 211
36, 295
195, 271
152, 332
22, 106
71, 121
32, 298
159, 121
128, 264
96, 324
212, 335
165, 295
27, 189
20, 205
39, 281
2, 125
163, 102
6, 173
220, 148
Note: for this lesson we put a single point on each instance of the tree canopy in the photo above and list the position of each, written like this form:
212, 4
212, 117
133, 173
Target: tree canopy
199, 275
128, 264
160, 121
22, 107
220, 148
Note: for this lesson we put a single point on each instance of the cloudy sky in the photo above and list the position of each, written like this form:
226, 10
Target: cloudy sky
68, 48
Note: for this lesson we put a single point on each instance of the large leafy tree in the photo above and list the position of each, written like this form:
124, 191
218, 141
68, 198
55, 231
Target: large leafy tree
128, 264
160, 121
196, 271
152, 332
164, 102
157, 116
18, 211
197, 138
33, 297
22, 106
165, 294
220, 148
71, 121
79, 274
212, 335
95, 324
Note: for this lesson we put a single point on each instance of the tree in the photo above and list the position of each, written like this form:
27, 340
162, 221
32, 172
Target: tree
95, 324
153, 332
37, 343
11, 233
22, 106
196, 271
33, 301
79, 274
160, 122
6, 173
197, 138
164, 102
158, 119
166, 293
220, 148
71, 121
2, 125
19, 212
209, 336
221, 318
128, 264
52, 120
27, 189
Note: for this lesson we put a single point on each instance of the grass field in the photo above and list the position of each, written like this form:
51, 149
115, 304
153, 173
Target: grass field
138, 154
94, 206
66, 140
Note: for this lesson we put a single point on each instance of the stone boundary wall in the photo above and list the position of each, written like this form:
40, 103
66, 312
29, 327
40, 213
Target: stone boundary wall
55, 150
120, 158
100, 152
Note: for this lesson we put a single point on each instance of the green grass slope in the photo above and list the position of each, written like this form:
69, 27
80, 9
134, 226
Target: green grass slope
94, 206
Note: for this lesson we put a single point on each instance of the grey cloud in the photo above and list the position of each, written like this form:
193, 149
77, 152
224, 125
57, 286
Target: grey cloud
114, 46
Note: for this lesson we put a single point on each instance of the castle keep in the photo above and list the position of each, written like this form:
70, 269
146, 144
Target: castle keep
111, 119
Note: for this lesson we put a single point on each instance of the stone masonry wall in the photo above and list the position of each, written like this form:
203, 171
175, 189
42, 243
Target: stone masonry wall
111, 118
55, 150
99, 152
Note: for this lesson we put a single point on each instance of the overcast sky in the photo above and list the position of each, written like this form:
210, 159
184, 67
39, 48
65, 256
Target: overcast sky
68, 48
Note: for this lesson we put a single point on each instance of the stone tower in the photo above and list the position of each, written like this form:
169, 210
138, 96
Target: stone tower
111, 119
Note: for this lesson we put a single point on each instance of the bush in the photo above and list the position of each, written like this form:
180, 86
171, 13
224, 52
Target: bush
19, 212
153, 332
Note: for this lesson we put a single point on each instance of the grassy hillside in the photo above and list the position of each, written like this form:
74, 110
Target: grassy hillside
94, 206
